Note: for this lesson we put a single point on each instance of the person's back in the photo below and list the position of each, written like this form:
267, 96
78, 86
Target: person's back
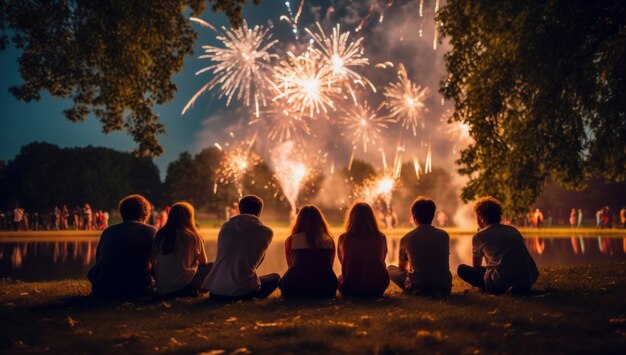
241, 245
122, 266
508, 262
180, 259
427, 249
509, 265
310, 273
363, 269
310, 253
424, 255
362, 253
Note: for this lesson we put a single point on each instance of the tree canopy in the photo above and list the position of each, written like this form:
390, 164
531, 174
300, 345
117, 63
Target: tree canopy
542, 85
44, 175
112, 58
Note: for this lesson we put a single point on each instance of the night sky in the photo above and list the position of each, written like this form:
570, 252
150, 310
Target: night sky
395, 39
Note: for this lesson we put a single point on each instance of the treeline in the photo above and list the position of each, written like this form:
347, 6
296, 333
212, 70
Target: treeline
44, 175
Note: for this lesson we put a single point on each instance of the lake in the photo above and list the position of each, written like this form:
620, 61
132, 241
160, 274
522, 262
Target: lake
47, 258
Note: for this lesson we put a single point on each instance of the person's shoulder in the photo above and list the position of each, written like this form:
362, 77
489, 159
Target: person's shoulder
440, 232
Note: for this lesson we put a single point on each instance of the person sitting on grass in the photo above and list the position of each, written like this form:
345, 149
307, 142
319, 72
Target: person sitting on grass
241, 245
180, 261
424, 255
123, 267
310, 252
510, 268
362, 252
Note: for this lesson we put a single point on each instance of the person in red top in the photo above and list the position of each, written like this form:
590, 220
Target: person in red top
310, 253
362, 253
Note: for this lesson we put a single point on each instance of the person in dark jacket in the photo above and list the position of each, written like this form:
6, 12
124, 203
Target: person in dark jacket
123, 267
509, 266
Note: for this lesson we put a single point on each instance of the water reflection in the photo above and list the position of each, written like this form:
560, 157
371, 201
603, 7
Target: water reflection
55, 260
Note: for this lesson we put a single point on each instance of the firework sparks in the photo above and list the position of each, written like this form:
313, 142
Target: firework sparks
242, 69
237, 160
306, 85
458, 134
428, 166
341, 55
293, 20
405, 101
363, 125
417, 167
290, 173
282, 124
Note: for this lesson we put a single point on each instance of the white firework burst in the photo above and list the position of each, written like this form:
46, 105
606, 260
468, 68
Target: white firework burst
305, 84
364, 125
342, 55
282, 124
406, 101
241, 68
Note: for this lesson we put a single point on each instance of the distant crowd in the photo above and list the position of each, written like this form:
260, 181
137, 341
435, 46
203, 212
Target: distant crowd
58, 218
136, 259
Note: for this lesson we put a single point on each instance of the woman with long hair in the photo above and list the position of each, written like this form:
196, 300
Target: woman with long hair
310, 252
362, 253
179, 255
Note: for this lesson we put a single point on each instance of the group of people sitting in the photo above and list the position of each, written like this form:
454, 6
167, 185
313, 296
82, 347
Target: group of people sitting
134, 259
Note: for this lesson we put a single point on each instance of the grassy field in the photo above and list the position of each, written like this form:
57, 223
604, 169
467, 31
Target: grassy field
577, 310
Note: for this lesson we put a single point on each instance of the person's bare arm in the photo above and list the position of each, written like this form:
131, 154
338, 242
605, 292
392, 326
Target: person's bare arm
477, 261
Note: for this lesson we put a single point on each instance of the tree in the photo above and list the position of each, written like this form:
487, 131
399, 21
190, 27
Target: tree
542, 85
44, 175
113, 58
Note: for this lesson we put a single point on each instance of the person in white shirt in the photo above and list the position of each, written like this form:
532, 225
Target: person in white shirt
241, 246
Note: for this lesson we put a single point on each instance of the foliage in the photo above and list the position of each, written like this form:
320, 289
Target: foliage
113, 58
542, 86
44, 175
437, 185
359, 172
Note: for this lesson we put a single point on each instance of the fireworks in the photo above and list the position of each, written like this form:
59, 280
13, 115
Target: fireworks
237, 160
364, 125
282, 124
342, 55
241, 69
305, 84
380, 187
291, 173
405, 101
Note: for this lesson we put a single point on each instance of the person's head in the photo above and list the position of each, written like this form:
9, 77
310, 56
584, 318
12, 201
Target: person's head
134, 208
251, 204
423, 210
361, 221
488, 210
181, 217
311, 222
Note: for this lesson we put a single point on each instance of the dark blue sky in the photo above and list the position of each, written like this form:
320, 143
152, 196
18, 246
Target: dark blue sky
208, 121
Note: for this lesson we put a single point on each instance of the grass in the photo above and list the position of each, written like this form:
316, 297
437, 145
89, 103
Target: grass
579, 309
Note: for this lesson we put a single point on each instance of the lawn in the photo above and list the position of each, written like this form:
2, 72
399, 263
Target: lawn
577, 309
